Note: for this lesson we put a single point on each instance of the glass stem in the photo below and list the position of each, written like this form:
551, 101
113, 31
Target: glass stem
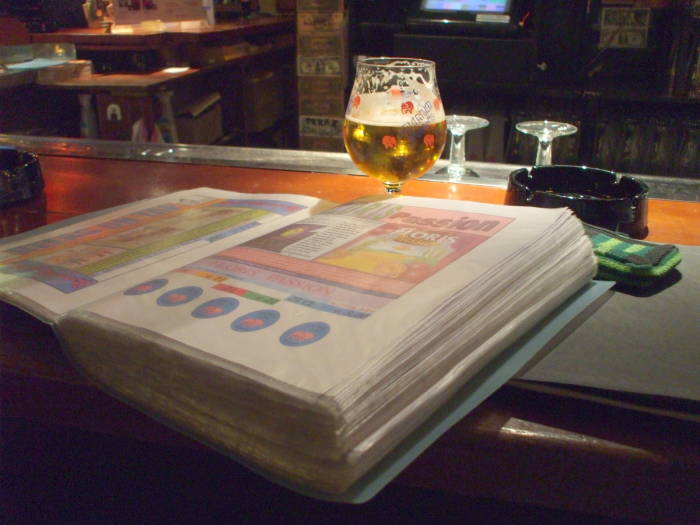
457, 157
392, 188
544, 153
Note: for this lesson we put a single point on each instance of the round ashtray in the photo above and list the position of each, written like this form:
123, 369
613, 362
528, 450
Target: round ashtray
596, 196
20, 176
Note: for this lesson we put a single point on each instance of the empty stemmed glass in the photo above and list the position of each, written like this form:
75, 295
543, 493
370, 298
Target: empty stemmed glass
545, 131
459, 126
394, 126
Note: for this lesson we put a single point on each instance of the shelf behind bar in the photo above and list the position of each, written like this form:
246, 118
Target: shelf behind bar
153, 39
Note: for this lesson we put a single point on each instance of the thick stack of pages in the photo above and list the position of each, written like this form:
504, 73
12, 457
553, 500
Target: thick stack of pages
311, 349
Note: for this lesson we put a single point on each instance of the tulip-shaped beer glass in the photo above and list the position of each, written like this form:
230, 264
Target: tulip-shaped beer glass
394, 123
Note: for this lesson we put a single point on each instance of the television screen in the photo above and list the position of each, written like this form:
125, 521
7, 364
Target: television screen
464, 17
468, 6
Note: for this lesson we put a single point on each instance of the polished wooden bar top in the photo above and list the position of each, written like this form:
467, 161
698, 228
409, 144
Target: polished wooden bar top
79, 185
517, 446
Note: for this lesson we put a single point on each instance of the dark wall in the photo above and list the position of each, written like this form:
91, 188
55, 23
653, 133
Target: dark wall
45, 15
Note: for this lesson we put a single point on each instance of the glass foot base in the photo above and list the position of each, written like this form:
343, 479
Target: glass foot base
457, 174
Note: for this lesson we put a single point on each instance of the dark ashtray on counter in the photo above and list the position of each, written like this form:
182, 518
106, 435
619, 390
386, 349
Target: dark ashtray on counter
596, 196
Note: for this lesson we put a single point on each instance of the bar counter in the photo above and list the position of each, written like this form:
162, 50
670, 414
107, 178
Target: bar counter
518, 446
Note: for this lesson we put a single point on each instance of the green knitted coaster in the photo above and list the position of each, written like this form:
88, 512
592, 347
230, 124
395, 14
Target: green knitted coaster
630, 261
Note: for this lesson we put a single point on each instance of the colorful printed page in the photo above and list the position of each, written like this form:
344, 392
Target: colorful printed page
54, 272
356, 260
310, 302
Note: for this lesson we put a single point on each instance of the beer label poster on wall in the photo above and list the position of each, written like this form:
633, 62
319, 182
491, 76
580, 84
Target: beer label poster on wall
137, 11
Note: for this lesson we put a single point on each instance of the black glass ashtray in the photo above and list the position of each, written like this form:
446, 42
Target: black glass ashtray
596, 196
20, 176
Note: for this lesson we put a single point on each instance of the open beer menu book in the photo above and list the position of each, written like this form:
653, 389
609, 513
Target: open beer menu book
308, 344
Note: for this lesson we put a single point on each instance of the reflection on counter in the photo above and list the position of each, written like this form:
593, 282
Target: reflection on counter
23, 216
490, 173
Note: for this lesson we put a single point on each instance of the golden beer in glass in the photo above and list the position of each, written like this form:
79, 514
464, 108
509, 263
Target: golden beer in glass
394, 126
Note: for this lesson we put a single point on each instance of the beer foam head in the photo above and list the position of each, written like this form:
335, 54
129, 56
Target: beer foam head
395, 92
395, 109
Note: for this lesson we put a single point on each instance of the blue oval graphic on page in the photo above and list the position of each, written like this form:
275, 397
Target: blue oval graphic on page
215, 308
255, 320
147, 287
305, 334
180, 296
